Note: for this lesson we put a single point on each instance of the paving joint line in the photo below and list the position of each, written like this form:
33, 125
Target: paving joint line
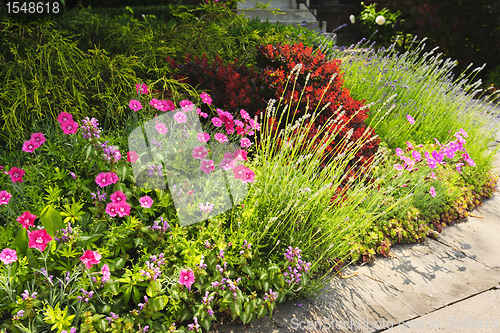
440, 308
465, 254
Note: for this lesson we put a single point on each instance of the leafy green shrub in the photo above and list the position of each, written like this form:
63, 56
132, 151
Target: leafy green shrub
379, 31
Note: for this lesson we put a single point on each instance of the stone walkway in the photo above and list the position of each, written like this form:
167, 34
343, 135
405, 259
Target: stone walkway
451, 284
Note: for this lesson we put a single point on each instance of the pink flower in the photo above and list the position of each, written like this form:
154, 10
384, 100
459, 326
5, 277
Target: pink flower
38, 138
432, 163
217, 122
203, 137
203, 114
135, 105
458, 167
433, 176
240, 172
240, 154
254, 125
161, 128
8, 256
239, 123
106, 178
399, 152
91, 258
132, 156
464, 133
409, 145
30, 146
64, 117
416, 155
245, 143
180, 117
5, 197
146, 201
221, 138
168, 105
469, 160
157, 104
118, 196
26, 219
111, 209
432, 191
249, 176
410, 119
39, 239
122, 208
207, 166
186, 278
200, 152
190, 192
106, 275
16, 174
186, 105
206, 98
398, 167
142, 88
69, 127
244, 114
227, 163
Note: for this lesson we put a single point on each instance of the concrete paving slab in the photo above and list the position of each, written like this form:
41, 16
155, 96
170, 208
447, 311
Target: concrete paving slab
480, 313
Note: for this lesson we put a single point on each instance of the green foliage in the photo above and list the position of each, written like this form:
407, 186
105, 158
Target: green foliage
374, 31
59, 319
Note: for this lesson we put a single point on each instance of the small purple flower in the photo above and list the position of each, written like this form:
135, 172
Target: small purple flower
72, 174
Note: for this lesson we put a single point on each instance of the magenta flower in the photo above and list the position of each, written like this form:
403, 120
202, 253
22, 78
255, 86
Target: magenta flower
26, 219
416, 155
203, 114
8, 256
161, 128
158, 105
207, 166
221, 138
106, 275
122, 208
142, 88
91, 258
135, 105
200, 152
206, 208
398, 167
217, 122
249, 176
118, 196
244, 114
69, 127
399, 152
16, 174
206, 98
410, 119
186, 105
433, 176
111, 209
432, 191
240, 154
254, 125
432, 163
458, 167
30, 146
146, 201
240, 172
168, 105
464, 133
227, 163
186, 278
103, 179
4, 197
132, 156
38, 138
64, 117
180, 117
39, 239
410, 146
245, 143
203, 137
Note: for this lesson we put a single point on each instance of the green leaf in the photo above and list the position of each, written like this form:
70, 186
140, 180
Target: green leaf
138, 242
186, 315
127, 294
206, 323
236, 308
87, 153
119, 263
136, 296
261, 311
51, 220
22, 241
249, 272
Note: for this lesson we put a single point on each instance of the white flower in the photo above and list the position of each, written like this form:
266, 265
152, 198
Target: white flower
380, 20
352, 18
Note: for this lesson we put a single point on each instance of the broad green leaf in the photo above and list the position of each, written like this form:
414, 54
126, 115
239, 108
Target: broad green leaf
236, 308
186, 315
136, 296
51, 220
22, 241
206, 323
261, 311
119, 263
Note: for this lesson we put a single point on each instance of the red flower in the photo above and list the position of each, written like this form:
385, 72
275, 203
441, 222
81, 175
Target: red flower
132, 156
39, 239
91, 258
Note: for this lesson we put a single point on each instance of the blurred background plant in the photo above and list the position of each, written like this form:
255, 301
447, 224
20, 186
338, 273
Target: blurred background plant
382, 31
